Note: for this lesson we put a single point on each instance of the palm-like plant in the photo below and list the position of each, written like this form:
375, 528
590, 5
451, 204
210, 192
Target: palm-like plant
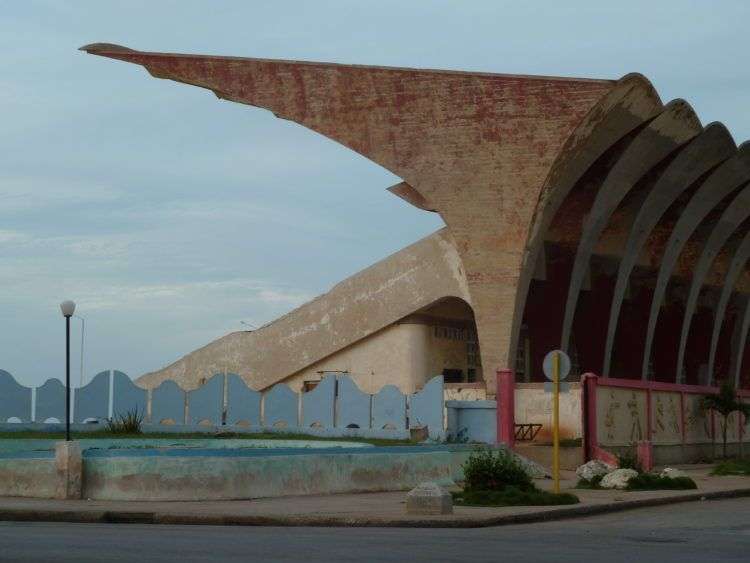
725, 402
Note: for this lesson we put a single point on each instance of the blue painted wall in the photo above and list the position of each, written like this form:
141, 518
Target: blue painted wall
243, 403
280, 407
15, 399
353, 406
318, 404
168, 403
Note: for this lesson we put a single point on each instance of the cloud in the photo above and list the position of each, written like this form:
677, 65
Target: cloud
25, 193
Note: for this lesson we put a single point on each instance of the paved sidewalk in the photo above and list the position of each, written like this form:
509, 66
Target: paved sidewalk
367, 509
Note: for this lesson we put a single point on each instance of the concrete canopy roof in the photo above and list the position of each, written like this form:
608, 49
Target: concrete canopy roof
497, 156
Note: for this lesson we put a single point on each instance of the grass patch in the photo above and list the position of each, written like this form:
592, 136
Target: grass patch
652, 482
105, 434
732, 467
512, 496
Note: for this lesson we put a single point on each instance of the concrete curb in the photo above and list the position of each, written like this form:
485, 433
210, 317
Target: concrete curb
141, 517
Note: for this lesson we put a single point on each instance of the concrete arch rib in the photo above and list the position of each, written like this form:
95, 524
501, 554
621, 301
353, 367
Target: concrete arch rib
709, 149
628, 106
724, 180
740, 258
674, 127
737, 212
738, 341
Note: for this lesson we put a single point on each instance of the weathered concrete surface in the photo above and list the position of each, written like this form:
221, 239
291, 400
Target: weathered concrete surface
26, 477
361, 305
477, 147
69, 470
198, 478
427, 499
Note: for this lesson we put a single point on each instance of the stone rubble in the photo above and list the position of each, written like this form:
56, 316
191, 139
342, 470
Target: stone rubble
618, 479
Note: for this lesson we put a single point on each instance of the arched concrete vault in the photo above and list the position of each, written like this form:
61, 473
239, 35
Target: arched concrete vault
713, 146
737, 265
739, 339
734, 215
674, 127
727, 178
627, 107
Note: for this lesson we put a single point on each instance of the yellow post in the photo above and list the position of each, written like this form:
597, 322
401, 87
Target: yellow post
556, 421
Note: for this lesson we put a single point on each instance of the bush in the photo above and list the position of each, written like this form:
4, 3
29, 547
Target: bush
732, 467
594, 483
629, 460
128, 423
513, 496
653, 482
488, 471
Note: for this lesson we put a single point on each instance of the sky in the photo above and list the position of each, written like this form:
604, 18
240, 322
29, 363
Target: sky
171, 217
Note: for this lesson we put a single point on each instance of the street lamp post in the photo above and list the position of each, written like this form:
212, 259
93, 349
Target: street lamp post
67, 308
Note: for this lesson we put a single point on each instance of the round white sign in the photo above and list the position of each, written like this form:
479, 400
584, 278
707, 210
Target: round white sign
564, 364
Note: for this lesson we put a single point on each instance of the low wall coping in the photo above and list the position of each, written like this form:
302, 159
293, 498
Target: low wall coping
484, 404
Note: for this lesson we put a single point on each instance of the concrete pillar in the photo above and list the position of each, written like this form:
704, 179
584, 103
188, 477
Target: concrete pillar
645, 454
69, 467
506, 417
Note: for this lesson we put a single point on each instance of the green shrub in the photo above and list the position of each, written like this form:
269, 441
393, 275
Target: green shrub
128, 423
512, 496
486, 470
629, 460
594, 483
653, 482
732, 467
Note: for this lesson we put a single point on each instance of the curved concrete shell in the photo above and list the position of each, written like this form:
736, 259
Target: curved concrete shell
729, 176
628, 106
737, 212
739, 339
674, 127
709, 149
594, 171
739, 260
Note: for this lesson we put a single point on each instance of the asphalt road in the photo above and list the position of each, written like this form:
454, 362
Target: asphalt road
698, 531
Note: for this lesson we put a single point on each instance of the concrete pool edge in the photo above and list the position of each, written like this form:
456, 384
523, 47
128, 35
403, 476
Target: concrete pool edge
154, 475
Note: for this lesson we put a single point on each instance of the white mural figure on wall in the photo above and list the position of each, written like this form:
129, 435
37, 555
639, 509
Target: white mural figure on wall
636, 432
609, 419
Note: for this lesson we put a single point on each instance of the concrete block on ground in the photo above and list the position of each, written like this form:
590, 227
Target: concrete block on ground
69, 470
429, 498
